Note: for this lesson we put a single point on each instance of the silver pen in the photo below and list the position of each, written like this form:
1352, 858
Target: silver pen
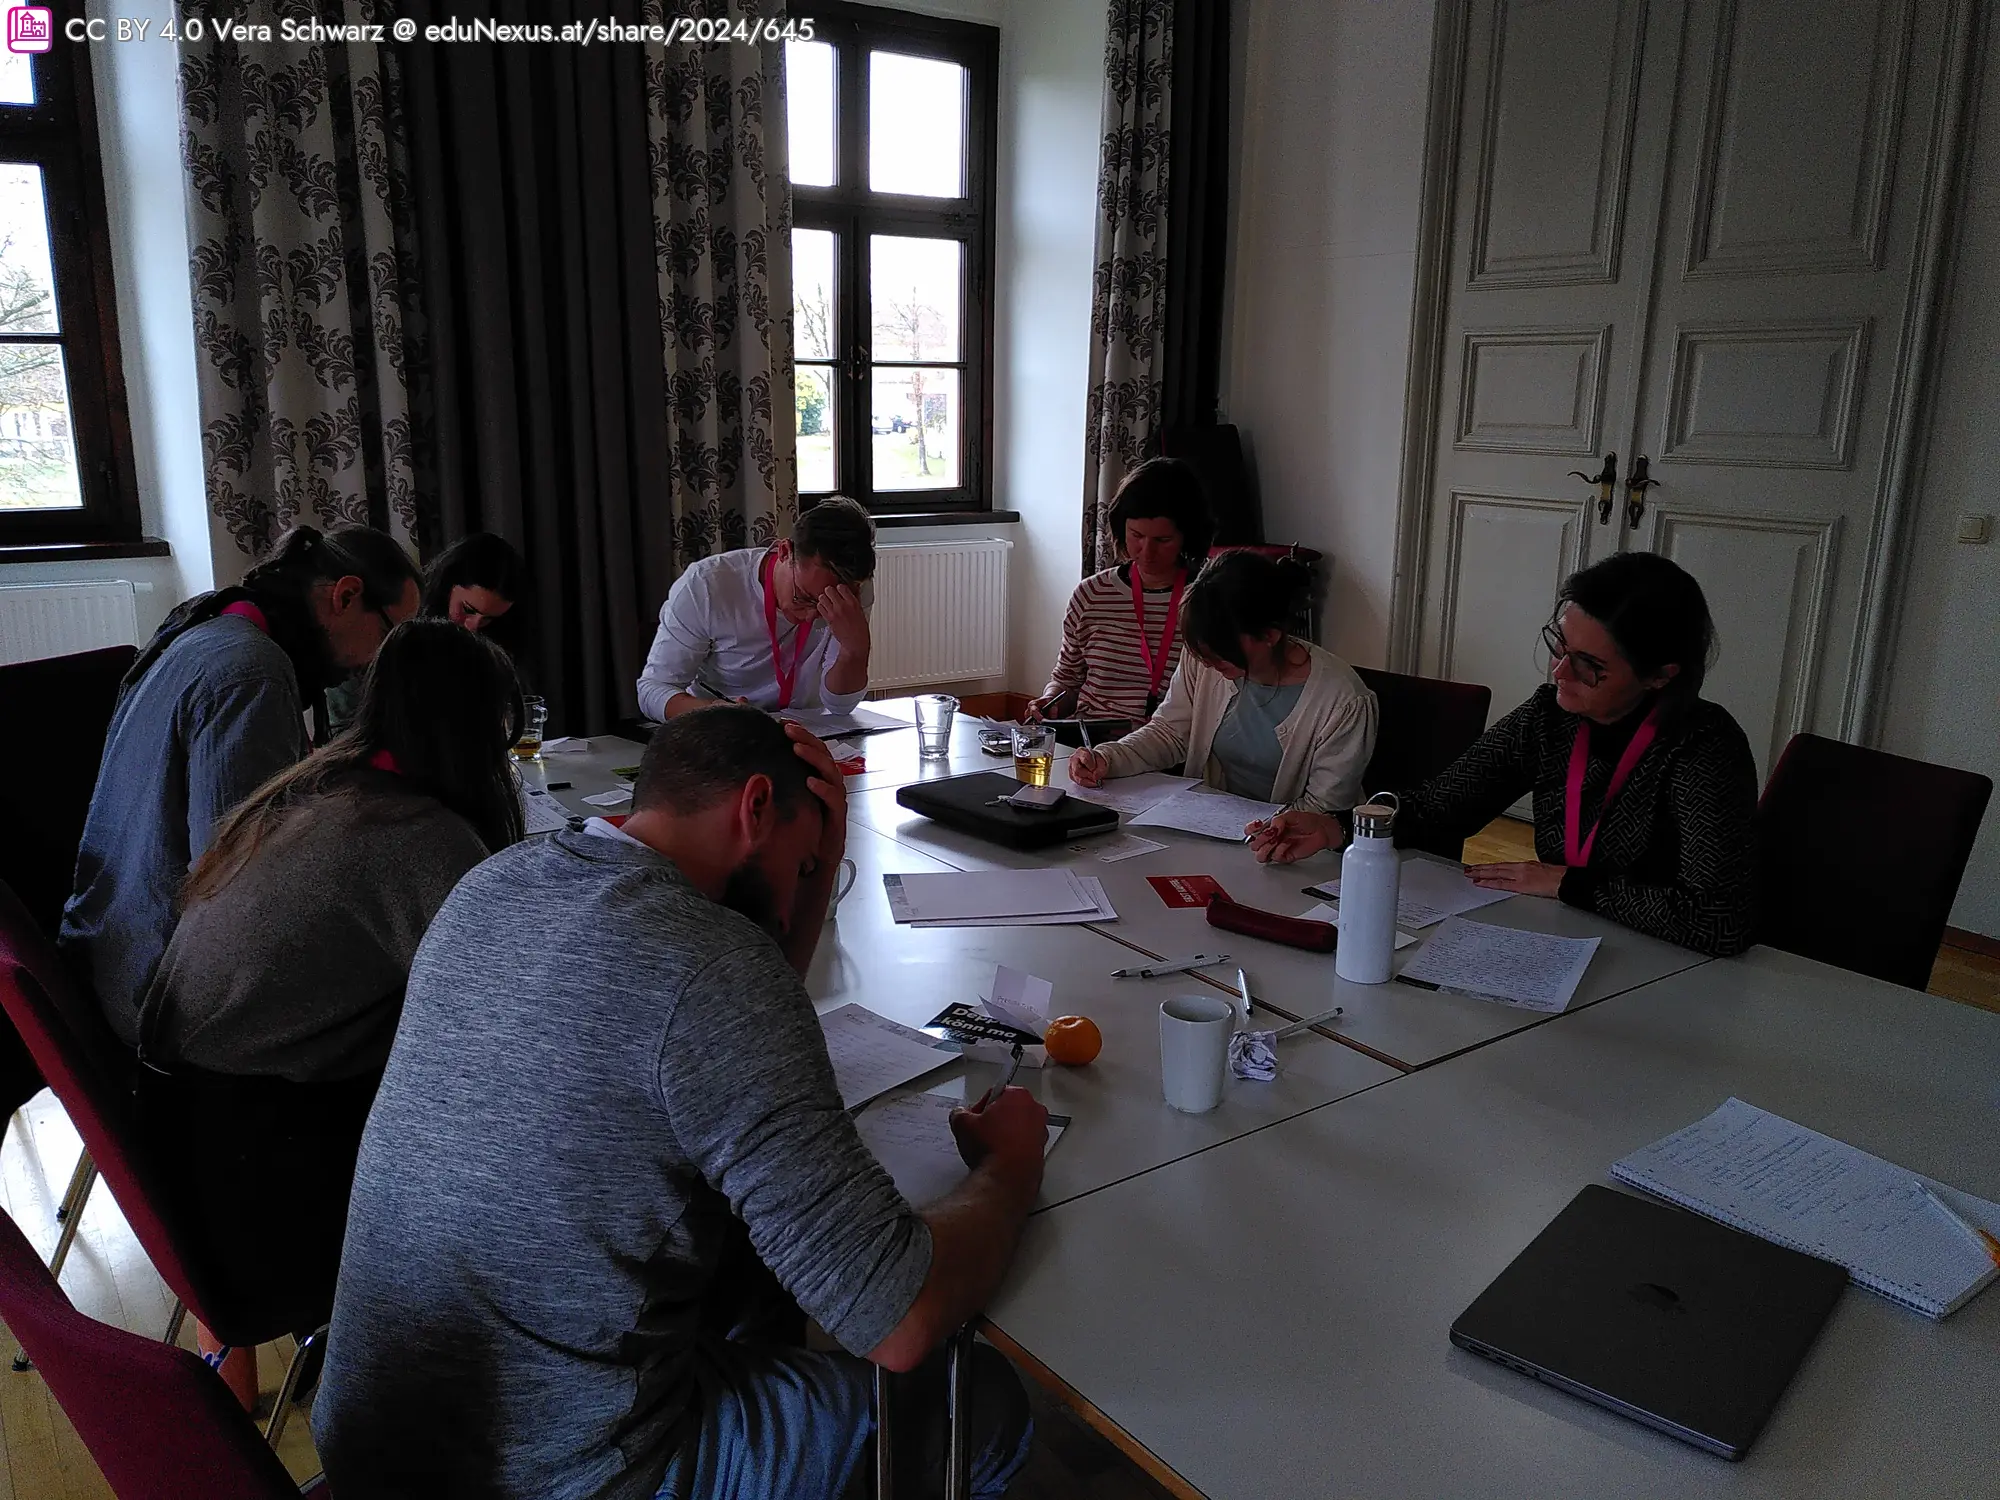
1243, 989
1163, 966
1005, 1083
1311, 1021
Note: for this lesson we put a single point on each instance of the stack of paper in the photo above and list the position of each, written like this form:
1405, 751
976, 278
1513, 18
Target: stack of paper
1533, 970
872, 1054
832, 726
1427, 893
911, 1136
997, 898
1759, 1172
541, 813
1212, 814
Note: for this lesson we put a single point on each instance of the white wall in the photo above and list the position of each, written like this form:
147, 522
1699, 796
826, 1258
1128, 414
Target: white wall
1330, 101
138, 121
1944, 702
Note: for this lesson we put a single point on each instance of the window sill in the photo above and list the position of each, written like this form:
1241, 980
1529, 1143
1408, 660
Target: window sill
60, 552
946, 518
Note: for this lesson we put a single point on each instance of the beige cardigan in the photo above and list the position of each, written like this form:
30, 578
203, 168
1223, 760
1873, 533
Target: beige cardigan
1325, 741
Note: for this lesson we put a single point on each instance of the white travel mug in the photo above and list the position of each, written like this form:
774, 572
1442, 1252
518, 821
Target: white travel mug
1194, 1050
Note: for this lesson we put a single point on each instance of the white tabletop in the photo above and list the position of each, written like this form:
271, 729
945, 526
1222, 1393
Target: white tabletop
1271, 1317
589, 772
892, 758
1122, 1125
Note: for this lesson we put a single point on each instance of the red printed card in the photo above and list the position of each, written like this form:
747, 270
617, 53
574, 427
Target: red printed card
1186, 890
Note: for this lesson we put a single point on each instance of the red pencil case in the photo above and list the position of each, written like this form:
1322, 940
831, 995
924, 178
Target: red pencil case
1253, 921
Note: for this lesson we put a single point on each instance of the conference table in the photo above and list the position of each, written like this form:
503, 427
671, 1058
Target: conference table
1255, 1302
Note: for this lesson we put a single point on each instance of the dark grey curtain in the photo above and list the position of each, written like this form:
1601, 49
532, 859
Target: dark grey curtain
1197, 227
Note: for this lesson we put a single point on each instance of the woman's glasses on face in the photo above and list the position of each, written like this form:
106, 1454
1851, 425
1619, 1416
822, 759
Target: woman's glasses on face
1587, 669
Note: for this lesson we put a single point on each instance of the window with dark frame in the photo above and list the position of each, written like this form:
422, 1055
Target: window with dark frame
891, 134
65, 440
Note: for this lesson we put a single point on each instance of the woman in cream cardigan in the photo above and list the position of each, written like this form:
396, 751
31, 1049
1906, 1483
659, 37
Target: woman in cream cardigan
1251, 709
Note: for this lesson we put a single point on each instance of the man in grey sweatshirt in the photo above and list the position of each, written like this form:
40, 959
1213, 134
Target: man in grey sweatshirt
608, 1109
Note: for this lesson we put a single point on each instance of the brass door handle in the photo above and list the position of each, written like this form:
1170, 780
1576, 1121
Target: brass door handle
1635, 493
1606, 481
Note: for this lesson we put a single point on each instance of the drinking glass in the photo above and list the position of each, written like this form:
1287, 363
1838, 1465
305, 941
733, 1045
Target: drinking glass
534, 718
934, 714
1034, 753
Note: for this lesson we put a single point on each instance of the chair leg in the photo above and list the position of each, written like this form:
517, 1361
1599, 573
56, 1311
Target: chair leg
71, 1215
174, 1321
885, 1438
958, 1401
304, 1354
80, 1183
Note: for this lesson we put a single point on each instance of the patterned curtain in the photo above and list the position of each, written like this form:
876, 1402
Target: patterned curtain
304, 276
1128, 318
722, 212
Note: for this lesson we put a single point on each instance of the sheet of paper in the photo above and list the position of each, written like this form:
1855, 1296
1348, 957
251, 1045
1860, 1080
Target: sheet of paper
611, 798
1132, 795
1020, 998
1327, 911
1534, 970
982, 895
829, 726
911, 1136
1100, 911
541, 813
1760, 1172
1427, 893
1118, 846
566, 744
872, 1054
1203, 810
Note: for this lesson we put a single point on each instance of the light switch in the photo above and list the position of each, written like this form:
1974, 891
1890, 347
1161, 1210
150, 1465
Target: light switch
1975, 529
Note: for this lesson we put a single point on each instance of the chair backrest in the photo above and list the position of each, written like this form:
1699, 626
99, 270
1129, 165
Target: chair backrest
1859, 856
59, 710
83, 1063
1423, 724
159, 1422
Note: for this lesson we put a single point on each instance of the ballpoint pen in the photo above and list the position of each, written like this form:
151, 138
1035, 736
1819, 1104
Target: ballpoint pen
1163, 966
1243, 989
1002, 1086
1311, 1021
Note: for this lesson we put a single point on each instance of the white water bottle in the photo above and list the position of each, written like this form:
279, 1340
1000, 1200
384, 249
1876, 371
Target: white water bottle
1370, 874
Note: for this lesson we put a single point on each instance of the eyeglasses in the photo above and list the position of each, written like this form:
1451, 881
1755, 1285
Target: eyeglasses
1587, 669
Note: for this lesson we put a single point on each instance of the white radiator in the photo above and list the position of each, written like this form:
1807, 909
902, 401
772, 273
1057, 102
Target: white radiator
940, 612
60, 619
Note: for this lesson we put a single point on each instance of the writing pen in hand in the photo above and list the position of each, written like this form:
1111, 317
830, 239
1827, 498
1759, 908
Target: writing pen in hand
1005, 1083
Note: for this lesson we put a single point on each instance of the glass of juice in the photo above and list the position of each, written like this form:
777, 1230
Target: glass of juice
1034, 753
534, 718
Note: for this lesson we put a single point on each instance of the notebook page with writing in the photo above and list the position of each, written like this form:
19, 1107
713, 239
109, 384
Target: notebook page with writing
872, 1054
1212, 814
910, 1135
1533, 970
1759, 1172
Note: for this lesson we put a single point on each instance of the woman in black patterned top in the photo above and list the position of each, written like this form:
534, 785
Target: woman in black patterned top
1669, 849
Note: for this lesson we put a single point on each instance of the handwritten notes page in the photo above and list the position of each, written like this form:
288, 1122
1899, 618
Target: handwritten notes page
911, 1136
1533, 970
541, 813
1427, 893
1759, 1172
1132, 795
872, 1054
1212, 814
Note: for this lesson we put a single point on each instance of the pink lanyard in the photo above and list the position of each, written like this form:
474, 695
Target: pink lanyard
1576, 847
250, 612
786, 680
1156, 667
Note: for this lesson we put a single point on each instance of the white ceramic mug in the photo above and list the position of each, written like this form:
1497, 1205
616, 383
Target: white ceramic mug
842, 884
1194, 1050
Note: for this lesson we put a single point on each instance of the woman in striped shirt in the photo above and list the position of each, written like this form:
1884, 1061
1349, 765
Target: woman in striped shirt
1121, 637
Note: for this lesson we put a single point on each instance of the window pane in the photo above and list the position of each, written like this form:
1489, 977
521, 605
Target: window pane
809, 112
816, 416
17, 78
812, 294
27, 285
913, 294
912, 454
37, 448
916, 126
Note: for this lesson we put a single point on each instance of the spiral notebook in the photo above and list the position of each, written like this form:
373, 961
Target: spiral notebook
1758, 1172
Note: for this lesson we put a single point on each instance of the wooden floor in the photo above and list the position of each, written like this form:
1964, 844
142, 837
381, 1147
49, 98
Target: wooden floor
109, 1277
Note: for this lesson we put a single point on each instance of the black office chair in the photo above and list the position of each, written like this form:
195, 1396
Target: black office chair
1423, 724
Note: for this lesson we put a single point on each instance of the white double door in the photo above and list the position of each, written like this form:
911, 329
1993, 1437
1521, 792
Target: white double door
1695, 233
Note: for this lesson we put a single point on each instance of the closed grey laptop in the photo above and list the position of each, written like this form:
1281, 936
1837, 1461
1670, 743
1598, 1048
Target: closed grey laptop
1671, 1319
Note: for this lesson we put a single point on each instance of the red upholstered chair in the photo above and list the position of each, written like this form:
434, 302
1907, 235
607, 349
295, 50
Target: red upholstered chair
159, 1422
1423, 724
85, 1066
1859, 856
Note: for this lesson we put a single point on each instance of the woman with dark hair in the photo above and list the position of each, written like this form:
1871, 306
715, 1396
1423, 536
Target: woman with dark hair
268, 1022
478, 582
1644, 791
1120, 640
1252, 708
213, 707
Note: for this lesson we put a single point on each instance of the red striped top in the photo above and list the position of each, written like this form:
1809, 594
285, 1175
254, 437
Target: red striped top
1101, 654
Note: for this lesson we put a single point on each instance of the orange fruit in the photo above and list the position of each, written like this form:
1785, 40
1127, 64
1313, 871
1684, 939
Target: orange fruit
1073, 1039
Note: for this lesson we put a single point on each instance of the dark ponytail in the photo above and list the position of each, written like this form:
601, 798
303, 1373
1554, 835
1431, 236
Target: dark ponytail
1237, 594
303, 557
